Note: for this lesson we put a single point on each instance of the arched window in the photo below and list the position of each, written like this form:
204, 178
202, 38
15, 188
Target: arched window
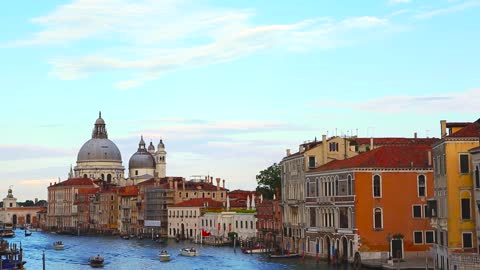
85, 176
377, 219
336, 187
421, 184
103, 176
349, 185
109, 178
377, 186
136, 172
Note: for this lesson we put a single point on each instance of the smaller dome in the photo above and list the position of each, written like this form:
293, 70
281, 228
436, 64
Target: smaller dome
141, 160
151, 147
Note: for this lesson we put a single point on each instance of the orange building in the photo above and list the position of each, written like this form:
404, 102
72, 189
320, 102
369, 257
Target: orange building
371, 206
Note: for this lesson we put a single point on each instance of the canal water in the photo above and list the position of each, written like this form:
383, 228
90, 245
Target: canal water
143, 254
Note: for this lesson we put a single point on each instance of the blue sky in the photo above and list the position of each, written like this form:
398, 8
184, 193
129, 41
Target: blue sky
228, 85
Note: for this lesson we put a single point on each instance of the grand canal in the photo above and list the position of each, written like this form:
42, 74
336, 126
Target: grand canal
142, 254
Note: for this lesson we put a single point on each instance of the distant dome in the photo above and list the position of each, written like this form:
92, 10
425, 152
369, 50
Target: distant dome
99, 150
141, 159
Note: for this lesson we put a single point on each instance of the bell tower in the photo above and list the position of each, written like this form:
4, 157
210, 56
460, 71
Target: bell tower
160, 160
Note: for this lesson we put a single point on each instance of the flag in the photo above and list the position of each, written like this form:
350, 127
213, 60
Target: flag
205, 233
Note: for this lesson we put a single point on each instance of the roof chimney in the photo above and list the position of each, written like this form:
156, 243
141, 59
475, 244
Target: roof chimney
371, 143
218, 183
429, 156
415, 135
443, 128
223, 185
288, 152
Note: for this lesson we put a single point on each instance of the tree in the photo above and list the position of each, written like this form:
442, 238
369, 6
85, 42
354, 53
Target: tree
268, 181
28, 203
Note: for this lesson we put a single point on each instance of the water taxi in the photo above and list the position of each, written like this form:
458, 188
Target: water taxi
164, 256
58, 245
96, 261
189, 252
6, 233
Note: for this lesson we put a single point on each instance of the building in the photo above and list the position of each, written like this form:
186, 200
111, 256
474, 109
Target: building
371, 206
269, 221
82, 203
454, 208
184, 217
15, 215
99, 157
128, 210
62, 211
219, 224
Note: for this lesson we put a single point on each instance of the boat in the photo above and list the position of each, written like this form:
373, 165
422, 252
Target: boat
189, 252
164, 256
58, 245
96, 261
256, 249
125, 237
286, 255
7, 233
10, 256
28, 233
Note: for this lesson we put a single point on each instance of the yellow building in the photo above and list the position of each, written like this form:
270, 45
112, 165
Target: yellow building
453, 212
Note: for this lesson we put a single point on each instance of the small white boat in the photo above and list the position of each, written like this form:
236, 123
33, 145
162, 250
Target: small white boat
96, 261
164, 256
58, 245
189, 252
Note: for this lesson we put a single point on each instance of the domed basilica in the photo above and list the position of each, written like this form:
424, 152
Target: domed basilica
100, 158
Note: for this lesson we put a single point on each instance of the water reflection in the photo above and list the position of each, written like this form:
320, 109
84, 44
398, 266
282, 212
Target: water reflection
143, 254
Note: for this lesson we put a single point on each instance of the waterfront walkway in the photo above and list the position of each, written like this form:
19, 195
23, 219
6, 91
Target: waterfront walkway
413, 263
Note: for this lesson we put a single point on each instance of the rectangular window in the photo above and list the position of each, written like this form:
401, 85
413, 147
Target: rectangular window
464, 166
417, 211
466, 208
429, 237
425, 210
467, 240
418, 237
311, 162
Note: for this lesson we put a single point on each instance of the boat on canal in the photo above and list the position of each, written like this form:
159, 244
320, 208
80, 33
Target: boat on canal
164, 256
7, 233
189, 252
58, 245
284, 256
28, 233
96, 261
259, 248
11, 256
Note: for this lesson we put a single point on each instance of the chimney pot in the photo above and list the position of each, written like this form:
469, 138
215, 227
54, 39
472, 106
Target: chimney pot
288, 152
415, 135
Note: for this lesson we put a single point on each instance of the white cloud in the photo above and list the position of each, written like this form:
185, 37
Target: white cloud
451, 9
149, 38
465, 101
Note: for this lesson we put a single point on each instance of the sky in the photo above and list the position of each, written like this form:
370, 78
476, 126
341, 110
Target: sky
227, 85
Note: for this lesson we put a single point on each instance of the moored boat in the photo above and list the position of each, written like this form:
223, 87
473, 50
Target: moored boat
28, 233
189, 252
284, 256
256, 249
58, 245
164, 256
96, 261
11, 256
6, 233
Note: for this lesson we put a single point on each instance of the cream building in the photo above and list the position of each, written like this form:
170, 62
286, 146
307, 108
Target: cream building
14, 215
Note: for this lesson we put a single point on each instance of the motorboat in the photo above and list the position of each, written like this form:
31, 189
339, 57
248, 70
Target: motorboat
164, 256
284, 256
189, 252
28, 233
10, 256
256, 249
7, 233
96, 261
58, 245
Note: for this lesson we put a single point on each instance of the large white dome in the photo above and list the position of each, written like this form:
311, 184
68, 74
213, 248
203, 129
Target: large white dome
99, 150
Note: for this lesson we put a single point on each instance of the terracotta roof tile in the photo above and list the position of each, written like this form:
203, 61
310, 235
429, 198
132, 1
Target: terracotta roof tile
199, 202
128, 191
75, 182
403, 156
470, 130
396, 141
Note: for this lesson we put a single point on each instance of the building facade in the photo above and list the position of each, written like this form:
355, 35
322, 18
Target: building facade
455, 210
354, 209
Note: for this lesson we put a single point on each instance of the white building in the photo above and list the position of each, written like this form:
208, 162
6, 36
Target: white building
184, 217
221, 223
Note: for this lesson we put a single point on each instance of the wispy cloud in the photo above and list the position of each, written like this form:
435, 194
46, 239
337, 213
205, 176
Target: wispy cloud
450, 9
465, 101
21, 152
149, 38
36, 182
